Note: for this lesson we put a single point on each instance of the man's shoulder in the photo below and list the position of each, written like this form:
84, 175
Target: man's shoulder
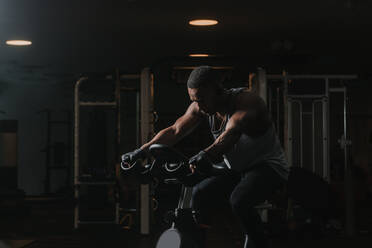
247, 98
195, 110
252, 104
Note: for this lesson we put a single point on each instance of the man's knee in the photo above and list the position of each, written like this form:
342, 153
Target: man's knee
197, 196
240, 204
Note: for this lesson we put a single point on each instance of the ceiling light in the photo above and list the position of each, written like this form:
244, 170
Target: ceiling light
203, 22
18, 42
199, 55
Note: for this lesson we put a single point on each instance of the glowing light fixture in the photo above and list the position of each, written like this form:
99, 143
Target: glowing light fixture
203, 22
18, 42
199, 55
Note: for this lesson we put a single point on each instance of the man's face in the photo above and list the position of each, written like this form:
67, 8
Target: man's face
206, 97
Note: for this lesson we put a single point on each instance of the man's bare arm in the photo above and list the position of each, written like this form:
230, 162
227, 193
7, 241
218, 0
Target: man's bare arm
248, 118
229, 137
182, 127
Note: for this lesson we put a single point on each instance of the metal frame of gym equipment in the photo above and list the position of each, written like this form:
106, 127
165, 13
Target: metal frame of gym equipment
147, 132
289, 101
113, 104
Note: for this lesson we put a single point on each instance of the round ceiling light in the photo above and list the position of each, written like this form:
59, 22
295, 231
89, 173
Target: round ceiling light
18, 42
199, 55
203, 22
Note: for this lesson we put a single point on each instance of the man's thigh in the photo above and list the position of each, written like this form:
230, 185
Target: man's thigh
256, 186
214, 189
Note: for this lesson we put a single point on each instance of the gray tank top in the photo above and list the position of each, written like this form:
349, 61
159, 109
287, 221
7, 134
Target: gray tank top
251, 151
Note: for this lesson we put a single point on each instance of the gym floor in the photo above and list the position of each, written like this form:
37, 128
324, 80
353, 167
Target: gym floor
48, 222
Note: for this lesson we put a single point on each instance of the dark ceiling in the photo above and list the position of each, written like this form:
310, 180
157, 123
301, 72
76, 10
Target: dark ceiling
72, 36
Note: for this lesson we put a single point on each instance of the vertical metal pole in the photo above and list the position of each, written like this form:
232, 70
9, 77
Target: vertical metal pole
186, 203
326, 165
348, 181
287, 134
47, 154
313, 132
138, 120
326, 137
301, 135
118, 139
182, 196
270, 100
262, 84
262, 90
117, 209
146, 133
76, 155
118, 111
278, 109
287, 127
70, 150
76, 150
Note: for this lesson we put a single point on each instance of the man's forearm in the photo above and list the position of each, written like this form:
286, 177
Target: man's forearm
222, 144
166, 136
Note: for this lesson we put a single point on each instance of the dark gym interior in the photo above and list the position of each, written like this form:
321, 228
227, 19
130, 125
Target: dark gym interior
91, 80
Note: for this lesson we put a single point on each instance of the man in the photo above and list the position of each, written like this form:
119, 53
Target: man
245, 141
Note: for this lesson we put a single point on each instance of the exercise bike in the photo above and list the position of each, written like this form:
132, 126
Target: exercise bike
174, 169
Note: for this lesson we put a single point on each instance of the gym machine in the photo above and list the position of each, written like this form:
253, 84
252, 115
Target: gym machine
103, 95
304, 102
172, 167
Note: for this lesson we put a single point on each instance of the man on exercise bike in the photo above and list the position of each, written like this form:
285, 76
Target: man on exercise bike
245, 141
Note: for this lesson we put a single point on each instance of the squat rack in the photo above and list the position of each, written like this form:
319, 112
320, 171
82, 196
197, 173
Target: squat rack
345, 142
78, 103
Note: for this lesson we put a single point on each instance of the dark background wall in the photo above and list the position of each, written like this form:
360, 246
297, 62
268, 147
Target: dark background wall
24, 101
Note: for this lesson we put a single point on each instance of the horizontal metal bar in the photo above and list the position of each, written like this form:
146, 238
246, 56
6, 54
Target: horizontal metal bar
125, 76
278, 76
193, 67
130, 210
130, 76
100, 79
264, 206
97, 103
336, 89
41, 198
97, 222
96, 183
306, 96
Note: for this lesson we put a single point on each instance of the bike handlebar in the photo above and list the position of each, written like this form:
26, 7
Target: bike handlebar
171, 161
